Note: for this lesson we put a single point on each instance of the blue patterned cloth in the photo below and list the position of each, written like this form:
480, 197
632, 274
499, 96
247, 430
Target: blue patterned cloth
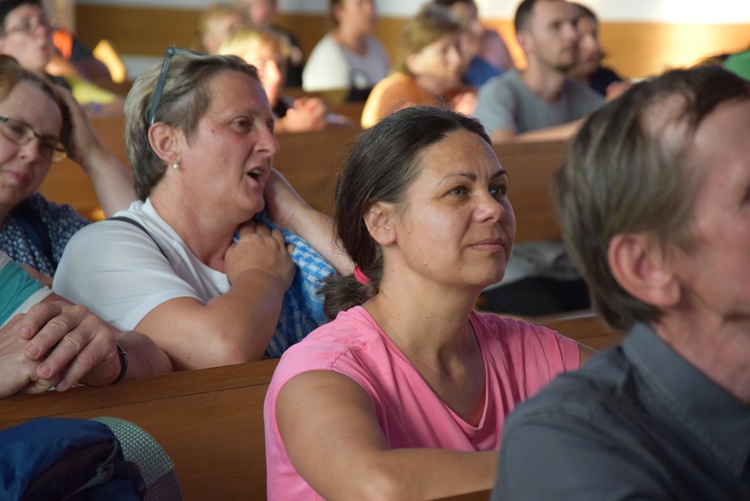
302, 308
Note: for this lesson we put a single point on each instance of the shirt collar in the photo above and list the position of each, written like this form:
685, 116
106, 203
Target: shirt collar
688, 398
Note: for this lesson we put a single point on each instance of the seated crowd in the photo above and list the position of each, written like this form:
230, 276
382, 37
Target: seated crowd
391, 384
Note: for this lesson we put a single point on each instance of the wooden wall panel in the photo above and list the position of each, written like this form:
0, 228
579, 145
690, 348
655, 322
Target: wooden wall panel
636, 49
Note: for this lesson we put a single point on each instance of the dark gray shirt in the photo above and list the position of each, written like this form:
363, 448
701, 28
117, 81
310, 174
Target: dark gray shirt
636, 422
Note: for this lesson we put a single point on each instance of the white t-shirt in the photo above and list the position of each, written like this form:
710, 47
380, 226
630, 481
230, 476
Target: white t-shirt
331, 66
117, 270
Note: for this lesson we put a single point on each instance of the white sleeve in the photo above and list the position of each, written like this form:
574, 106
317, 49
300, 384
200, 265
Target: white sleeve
119, 272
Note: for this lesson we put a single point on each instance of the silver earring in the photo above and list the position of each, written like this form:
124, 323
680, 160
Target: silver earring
175, 165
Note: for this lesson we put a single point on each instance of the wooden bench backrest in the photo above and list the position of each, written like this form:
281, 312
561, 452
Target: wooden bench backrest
209, 421
586, 327
310, 161
531, 167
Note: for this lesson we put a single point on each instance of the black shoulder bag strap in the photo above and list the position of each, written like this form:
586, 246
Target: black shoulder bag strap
139, 225
34, 228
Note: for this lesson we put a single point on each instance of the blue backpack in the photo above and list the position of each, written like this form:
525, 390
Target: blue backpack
66, 459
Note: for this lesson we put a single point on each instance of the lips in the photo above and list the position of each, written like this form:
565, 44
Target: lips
490, 243
17, 176
259, 174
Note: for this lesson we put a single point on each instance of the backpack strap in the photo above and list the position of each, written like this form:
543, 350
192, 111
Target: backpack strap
34, 228
143, 228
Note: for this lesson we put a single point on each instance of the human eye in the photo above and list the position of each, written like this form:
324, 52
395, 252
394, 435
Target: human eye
457, 191
242, 124
499, 191
14, 130
48, 145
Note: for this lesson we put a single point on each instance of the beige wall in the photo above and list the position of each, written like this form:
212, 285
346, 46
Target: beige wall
637, 49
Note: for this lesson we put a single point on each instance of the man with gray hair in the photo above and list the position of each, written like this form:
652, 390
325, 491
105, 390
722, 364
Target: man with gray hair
654, 200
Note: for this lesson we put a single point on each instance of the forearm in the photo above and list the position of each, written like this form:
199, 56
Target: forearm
113, 182
247, 315
144, 357
317, 229
232, 328
422, 474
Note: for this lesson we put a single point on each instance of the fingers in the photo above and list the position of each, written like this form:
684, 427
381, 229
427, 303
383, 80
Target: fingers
254, 228
88, 343
30, 325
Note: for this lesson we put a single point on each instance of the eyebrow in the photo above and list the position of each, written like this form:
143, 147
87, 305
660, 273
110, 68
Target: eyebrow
471, 176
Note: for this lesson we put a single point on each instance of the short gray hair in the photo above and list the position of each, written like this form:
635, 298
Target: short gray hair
622, 174
184, 100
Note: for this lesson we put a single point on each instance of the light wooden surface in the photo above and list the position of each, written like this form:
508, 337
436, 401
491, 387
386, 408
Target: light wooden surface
209, 421
531, 167
636, 49
586, 327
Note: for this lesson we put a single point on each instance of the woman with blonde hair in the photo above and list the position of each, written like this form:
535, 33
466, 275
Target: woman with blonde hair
216, 23
210, 262
268, 52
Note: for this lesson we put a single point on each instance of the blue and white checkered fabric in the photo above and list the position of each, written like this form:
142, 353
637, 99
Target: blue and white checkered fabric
302, 308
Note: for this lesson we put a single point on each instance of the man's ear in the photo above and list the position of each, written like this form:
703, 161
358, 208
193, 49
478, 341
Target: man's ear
642, 268
523, 39
164, 142
379, 222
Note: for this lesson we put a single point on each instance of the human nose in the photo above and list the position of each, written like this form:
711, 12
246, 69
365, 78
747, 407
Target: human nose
267, 144
454, 55
571, 32
30, 148
273, 72
489, 208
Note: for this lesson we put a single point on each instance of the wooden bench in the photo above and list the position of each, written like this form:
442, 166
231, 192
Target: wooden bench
310, 161
531, 167
209, 421
586, 327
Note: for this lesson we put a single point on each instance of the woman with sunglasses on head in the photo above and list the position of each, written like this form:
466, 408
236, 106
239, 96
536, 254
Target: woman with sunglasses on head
188, 264
404, 394
39, 122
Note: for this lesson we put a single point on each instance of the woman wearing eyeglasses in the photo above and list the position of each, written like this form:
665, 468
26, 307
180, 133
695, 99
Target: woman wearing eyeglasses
26, 34
33, 131
188, 265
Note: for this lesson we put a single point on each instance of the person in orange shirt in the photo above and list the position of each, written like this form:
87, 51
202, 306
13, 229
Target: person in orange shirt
428, 69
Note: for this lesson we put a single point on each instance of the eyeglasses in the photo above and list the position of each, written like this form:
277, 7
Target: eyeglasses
21, 134
29, 26
159, 90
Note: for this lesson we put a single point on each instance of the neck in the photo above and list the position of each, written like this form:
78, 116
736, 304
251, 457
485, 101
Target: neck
426, 322
433, 87
207, 238
350, 39
719, 348
545, 82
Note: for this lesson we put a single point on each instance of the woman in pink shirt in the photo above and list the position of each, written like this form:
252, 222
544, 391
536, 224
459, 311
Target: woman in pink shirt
404, 394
